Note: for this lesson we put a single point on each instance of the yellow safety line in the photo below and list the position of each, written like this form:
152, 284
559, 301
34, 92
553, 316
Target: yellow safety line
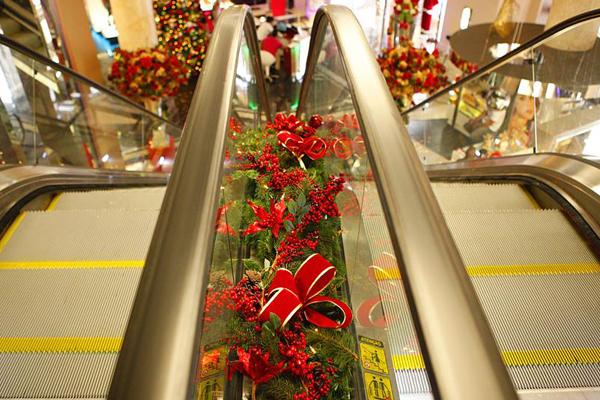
75, 264
54, 202
60, 344
11, 231
501, 270
518, 358
533, 269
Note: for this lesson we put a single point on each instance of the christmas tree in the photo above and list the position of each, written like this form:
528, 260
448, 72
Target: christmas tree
183, 30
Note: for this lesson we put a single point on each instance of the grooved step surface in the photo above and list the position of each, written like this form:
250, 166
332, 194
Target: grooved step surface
66, 303
81, 235
482, 196
542, 311
517, 237
69, 376
546, 322
140, 199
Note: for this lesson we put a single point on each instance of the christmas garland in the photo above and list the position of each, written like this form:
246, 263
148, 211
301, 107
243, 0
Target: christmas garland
285, 323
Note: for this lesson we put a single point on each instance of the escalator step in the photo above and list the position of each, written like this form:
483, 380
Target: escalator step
528, 238
80, 239
482, 196
140, 199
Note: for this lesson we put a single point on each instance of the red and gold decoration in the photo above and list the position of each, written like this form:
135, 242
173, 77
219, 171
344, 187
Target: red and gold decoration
184, 31
147, 74
284, 323
409, 70
402, 19
465, 66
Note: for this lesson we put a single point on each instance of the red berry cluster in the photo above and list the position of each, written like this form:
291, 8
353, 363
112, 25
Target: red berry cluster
268, 163
323, 202
293, 348
217, 300
293, 247
246, 298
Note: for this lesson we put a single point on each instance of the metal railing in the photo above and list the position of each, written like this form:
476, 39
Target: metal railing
160, 347
458, 346
508, 57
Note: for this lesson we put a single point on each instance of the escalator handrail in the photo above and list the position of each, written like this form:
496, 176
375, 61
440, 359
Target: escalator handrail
160, 348
8, 42
557, 29
457, 344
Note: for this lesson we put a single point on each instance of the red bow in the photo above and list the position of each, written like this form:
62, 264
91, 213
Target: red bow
313, 146
290, 294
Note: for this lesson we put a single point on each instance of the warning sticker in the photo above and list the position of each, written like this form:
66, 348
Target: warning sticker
211, 362
211, 389
372, 355
378, 387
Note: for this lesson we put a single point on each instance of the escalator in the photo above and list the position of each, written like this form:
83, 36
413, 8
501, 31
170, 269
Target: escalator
467, 280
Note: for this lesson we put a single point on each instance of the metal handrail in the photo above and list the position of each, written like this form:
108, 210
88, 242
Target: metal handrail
561, 27
6, 41
458, 347
160, 348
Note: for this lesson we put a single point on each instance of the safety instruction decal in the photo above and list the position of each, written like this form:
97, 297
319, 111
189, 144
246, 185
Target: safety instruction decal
372, 355
378, 387
211, 389
211, 362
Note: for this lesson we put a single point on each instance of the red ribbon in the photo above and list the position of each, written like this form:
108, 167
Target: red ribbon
313, 146
290, 294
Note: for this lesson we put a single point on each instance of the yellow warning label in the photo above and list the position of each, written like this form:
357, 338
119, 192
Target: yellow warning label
211, 389
378, 387
211, 362
372, 355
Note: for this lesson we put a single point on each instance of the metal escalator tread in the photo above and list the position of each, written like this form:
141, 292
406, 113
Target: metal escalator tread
67, 283
139, 199
518, 238
535, 276
482, 196
80, 235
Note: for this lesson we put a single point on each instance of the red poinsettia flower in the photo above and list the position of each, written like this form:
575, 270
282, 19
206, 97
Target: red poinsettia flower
222, 226
255, 364
273, 219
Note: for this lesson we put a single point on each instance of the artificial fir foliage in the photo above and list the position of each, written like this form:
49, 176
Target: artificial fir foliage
283, 319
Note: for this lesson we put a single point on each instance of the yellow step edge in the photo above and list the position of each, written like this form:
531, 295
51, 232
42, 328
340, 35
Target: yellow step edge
71, 264
533, 269
60, 344
11, 230
54, 202
505, 270
574, 356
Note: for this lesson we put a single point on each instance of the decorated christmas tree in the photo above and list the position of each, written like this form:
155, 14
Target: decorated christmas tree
184, 30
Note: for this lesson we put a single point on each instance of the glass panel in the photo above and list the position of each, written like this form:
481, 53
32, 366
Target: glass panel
381, 314
231, 266
51, 118
544, 100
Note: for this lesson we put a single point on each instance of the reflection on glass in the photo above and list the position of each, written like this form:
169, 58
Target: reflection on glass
387, 344
543, 101
52, 118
